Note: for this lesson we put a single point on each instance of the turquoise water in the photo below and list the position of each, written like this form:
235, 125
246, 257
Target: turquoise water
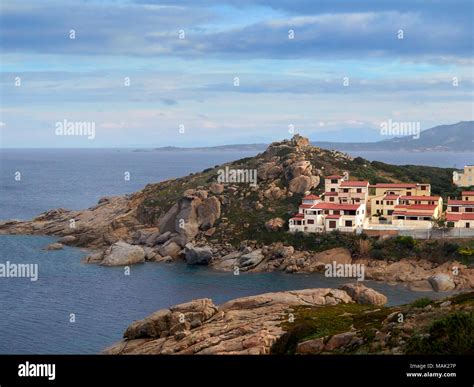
35, 316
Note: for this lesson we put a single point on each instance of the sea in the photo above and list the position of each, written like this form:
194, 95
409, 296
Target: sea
75, 308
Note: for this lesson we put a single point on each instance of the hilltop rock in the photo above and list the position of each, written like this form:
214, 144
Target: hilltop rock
122, 253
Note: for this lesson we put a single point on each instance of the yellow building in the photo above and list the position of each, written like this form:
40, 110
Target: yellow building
384, 197
465, 179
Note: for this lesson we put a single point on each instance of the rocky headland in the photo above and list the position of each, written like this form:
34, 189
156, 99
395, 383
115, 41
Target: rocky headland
240, 226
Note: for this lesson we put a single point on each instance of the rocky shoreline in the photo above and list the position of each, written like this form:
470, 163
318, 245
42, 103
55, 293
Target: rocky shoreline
226, 226
247, 325
351, 319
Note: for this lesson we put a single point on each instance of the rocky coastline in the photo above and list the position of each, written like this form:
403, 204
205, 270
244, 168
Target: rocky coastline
229, 226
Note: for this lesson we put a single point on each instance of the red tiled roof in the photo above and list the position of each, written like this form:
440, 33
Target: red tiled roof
337, 206
405, 197
311, 197
333, 216
354, 184
460, 202
333, 177
393, 185
298, 217
306, 205
467, 193
427, 207
453, 217
330, 194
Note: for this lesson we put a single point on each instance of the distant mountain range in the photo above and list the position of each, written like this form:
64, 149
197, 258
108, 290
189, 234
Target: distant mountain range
456, 137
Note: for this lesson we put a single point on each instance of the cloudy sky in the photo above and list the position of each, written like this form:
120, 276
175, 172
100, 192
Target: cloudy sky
236, 71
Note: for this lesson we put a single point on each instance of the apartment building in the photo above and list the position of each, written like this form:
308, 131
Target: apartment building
315, 215
465, 178
460, 213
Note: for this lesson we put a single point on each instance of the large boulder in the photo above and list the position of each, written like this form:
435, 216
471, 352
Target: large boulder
250, 260
364, 295
340, 255
194, 211
269, 171
122, 253
302, 184
216, 188
274, 224
169, 321
299, 141
442, 282
197, 255
170, 248
298, 168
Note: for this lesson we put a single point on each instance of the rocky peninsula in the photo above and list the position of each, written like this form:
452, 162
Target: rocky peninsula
239, 226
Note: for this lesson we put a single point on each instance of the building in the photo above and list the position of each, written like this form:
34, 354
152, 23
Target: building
317, 216
465, 179
383, 198
344, 191
460, 213
332, 183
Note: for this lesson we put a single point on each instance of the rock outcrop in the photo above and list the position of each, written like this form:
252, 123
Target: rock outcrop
122, 253
197, 255
247, 325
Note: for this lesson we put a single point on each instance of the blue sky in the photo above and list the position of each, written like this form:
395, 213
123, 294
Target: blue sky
190, 82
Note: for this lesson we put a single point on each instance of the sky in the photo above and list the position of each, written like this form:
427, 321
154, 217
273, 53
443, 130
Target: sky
105, 73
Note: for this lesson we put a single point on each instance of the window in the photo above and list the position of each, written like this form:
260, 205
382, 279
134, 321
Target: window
455, 209
310, 221
408, 193
333, 189
333, 181
345, 190
468, 225
359, 190
332, 224
389, 212
377, 202
469, 209
450, 224
348, 223
336, 212
331, 199
423, 187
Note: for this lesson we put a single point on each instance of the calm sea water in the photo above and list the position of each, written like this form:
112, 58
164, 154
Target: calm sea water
433, 159
35, 316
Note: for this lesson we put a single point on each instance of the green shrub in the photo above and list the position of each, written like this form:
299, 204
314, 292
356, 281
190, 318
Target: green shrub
421, 302
451, 335
406, 242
